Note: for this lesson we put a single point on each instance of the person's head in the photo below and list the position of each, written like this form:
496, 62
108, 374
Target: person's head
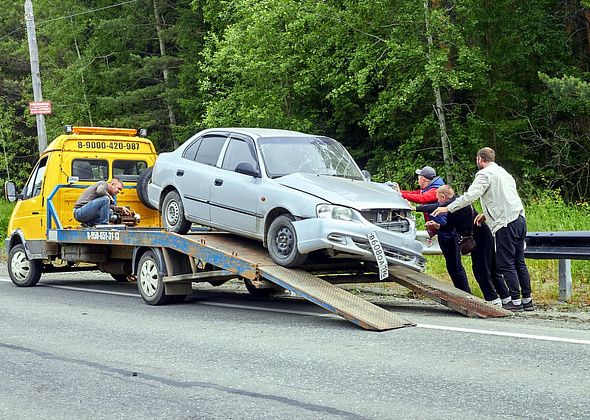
115, 186
484, 157
444, 193
425, 176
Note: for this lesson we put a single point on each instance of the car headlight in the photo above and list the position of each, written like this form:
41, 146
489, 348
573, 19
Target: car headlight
328, 211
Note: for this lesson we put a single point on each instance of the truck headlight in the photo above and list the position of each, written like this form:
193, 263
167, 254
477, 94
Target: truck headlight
329, 211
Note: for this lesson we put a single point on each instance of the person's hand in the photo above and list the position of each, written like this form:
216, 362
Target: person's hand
432, 224
439, 211
479, 220
393, 185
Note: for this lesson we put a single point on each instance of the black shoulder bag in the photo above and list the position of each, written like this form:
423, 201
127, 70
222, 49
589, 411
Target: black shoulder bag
467, 243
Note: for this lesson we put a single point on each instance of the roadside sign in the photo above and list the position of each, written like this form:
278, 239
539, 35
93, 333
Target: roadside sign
40, 107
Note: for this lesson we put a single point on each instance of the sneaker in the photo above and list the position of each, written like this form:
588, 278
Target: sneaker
495, 302
510, 306
528, 306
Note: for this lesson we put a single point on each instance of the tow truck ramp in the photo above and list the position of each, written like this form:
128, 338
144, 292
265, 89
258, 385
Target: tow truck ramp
232, 256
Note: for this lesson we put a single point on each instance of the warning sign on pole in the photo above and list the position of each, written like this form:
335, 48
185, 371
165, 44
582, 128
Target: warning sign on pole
40, 107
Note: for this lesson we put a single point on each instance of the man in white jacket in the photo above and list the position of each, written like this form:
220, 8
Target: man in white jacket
504, 213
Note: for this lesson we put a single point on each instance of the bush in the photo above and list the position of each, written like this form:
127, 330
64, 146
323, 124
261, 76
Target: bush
5, 212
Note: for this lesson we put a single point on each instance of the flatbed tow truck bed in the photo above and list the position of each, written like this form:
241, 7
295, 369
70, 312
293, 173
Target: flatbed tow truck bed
216, 257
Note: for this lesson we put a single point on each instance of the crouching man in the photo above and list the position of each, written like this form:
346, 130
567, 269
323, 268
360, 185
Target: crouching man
95, 204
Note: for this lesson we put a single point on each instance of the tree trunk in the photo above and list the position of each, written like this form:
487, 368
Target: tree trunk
171, 115
439, 110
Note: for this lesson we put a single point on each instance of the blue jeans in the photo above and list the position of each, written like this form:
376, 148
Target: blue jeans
95, 212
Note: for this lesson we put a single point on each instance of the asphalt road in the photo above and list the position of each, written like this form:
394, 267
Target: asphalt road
82, 346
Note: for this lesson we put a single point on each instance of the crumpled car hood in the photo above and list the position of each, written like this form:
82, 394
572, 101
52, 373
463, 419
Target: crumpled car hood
360, 195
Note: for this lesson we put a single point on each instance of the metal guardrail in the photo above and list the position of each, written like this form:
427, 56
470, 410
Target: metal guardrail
562, 246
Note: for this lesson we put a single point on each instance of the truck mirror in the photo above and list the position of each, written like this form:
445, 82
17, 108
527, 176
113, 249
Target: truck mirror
10, 191
366, 175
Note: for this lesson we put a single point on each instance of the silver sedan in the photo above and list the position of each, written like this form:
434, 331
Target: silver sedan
297, 193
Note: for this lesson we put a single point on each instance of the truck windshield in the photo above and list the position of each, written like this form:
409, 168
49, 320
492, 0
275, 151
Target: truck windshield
314, 155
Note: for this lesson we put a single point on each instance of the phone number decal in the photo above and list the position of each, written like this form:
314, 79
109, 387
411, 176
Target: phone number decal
110, 145
103, 236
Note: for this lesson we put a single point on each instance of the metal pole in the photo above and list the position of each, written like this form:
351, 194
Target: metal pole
565, 280
35, 73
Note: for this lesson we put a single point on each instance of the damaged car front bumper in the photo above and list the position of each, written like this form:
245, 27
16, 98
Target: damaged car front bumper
352, 237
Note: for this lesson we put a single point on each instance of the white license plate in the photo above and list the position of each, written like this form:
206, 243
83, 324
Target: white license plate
379, 254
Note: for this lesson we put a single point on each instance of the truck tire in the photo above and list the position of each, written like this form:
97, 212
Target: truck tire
142, 187
282, 242
173, 218
149, 280
22, 271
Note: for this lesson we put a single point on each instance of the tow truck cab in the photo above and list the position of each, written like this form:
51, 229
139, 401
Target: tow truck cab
72, 162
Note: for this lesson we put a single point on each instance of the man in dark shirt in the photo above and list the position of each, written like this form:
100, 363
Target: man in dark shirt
463, 223
94, 205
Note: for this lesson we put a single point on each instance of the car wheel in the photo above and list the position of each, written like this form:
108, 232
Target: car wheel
173, 218
149, 280
22, 271
142, 187
282, 242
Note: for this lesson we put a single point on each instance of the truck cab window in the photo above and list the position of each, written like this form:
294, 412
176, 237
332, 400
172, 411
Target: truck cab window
128, 170
33, 187
90, 169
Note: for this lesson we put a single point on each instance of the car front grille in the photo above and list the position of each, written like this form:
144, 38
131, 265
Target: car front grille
388, 219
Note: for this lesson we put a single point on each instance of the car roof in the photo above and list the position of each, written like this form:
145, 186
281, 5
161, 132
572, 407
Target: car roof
262, 132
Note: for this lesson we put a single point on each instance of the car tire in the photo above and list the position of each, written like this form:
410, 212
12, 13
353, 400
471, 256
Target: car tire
281, 240
142, 187
173, 218
149, 280
22, 271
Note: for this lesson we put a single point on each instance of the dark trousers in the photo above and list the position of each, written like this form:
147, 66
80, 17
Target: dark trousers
449, 245
484, 267
510, 264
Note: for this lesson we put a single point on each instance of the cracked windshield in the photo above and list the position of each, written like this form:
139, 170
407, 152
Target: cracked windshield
313, 155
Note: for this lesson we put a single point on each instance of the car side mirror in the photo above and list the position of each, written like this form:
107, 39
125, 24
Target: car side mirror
10, 191
366, 175
247, 169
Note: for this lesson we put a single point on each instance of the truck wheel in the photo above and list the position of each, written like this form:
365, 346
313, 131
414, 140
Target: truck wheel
149, 280
142, 187
173, 214
23, 272
282, 242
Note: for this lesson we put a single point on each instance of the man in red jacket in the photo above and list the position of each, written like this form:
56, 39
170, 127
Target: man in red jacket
428, 182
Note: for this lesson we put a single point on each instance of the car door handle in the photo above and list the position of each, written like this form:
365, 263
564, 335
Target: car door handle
218, 182
179, 172
34, 212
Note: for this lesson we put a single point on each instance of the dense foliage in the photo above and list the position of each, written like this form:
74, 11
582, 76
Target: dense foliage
511, 75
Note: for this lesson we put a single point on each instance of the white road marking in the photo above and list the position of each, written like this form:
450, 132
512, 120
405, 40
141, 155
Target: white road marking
286, 311
504, 334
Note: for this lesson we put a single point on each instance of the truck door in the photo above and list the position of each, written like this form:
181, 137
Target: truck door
30, 213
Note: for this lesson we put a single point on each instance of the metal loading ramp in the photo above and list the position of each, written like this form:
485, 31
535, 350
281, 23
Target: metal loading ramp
334, 299
445, 294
